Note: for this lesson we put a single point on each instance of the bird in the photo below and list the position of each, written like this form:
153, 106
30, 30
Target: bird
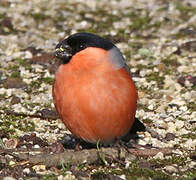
93, 90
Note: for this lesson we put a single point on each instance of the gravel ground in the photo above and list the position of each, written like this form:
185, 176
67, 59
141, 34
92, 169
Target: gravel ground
158, 40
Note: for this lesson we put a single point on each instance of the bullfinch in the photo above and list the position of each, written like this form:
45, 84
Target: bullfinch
93, 91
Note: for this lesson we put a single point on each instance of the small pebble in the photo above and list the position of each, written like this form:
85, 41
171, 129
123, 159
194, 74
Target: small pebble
8, 178
36, 146
171, 169
159, 155
170, 136
26, 170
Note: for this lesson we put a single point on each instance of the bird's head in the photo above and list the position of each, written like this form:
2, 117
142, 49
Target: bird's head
78, 42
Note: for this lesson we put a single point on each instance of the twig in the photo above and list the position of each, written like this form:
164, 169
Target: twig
20, 150
150, 152
89, 156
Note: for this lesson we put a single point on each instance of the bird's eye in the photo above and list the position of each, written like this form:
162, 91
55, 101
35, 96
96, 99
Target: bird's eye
81, 46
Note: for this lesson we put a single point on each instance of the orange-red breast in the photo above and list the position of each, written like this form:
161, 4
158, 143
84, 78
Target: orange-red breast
93, 91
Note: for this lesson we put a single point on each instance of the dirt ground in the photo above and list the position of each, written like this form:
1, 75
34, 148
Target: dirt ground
158, 41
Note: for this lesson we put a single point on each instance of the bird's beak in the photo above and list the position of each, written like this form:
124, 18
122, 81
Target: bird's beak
63, 52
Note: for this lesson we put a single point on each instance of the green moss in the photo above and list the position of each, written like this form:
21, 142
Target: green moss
189, 175
181, 118
141, 66
140, 23
2, 16
186, 10
191, 106
7, 126
20, 61
2, 145
116, 171
163, 8
48, 80
15, 74
40, 16
2, 96
30, 105
49, 177
142, 106
97, 25
194, 87
90, 30
134, 172
179, 160
147, 121
11, 123
59, 17
154, 76
13, 67
189, 135
81, 166
23, 62
35, 84
170, 61
99, 175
